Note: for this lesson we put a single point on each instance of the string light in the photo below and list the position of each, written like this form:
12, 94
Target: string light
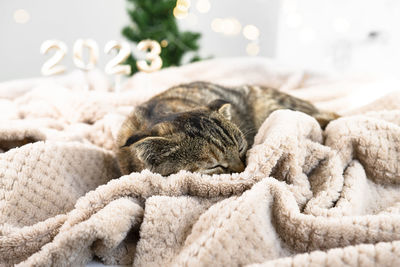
21, 16
252, 49
216, 25
179, 14
203, 6
251, 32
227, 26
164, 43
183, 5
181, 9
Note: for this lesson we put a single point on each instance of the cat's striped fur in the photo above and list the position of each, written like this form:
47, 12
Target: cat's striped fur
201, 127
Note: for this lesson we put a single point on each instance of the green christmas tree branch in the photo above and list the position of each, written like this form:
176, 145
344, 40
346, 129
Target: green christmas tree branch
154, 19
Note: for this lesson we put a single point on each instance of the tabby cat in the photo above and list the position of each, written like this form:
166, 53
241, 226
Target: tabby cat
201, 127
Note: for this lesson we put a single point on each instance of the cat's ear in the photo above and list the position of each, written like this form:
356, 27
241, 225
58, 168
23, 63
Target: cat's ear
149, 148
225, 110
138, 117
222, 106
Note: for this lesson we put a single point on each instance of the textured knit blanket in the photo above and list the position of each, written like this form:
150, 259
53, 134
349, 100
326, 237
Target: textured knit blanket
307, 196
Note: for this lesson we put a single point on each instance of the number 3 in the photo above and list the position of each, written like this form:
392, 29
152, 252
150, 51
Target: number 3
153, 56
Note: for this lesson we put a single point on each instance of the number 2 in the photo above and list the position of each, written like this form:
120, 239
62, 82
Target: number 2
114, 66
50, 67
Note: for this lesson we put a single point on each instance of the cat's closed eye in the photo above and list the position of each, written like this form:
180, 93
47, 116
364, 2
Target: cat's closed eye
215, 169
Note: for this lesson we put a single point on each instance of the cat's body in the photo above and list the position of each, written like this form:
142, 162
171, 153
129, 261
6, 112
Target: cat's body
201, 127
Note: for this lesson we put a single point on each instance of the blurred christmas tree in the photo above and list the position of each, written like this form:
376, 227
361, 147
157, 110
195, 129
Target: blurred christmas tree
154, 19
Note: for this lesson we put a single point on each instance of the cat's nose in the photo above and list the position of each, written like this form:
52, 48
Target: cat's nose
238, 166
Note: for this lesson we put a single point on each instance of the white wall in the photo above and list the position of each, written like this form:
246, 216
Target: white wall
65, 20
261, 13
299, 32
103, 20
332, 35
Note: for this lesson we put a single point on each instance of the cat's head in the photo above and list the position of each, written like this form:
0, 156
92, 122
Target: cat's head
203, 140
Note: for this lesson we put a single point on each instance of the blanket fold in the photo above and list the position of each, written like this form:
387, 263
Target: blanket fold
306, 197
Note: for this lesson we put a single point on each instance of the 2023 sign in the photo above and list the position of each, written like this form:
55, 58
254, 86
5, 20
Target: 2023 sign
114, 66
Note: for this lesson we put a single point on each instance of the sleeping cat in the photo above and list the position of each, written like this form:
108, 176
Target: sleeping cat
201, 127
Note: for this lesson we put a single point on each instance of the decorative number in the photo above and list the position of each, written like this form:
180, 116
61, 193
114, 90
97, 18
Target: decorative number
50, 66
153, 56
93, 53
114, 66
151, 63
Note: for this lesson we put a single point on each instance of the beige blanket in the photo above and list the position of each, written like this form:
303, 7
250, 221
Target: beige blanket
306, 198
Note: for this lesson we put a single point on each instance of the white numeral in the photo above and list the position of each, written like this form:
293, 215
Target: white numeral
114, 66
50, 67
78, 53
153, 56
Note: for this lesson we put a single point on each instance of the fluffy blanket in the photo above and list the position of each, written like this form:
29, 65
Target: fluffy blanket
306, 197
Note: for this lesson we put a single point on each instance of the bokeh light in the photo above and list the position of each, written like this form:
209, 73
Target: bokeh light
181, 9
252, 49
183, 5
226, 26
164, 43
251, 32
179, 14
21, 16
203, 6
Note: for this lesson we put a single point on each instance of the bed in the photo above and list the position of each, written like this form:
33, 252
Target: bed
306, 197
